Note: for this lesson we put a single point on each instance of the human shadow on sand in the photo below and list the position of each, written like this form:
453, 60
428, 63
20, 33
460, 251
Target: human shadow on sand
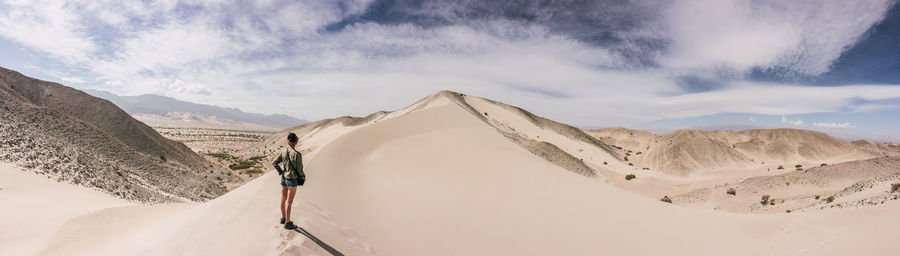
319, 242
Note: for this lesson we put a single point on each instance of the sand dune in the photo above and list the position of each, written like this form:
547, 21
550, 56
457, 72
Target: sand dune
437, 178
560, 144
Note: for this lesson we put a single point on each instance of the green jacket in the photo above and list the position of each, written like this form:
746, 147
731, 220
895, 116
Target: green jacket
284, 161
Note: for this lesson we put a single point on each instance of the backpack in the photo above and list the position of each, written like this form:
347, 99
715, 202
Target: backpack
291, 167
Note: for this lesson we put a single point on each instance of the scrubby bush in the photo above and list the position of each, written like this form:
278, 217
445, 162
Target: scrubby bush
823, 164
252, 171
731, 191
630, 177
817, 197
219, 155
798, 166
895, 187
604, 163
630, 164
666, 199
829, 199
626, 158
780, 167
242, 164
765, 200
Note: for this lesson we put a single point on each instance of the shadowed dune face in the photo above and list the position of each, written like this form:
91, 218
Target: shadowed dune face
72, 136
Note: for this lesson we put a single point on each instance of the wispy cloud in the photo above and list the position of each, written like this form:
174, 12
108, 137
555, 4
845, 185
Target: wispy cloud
73, 79
797, 122
844, 125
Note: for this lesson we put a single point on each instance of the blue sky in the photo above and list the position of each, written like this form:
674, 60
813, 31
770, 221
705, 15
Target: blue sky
824, 65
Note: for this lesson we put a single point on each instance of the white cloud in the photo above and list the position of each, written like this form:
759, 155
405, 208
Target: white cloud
797, 122
844, 125
180, 87
277, 51
52, 27
803, 36
73, 79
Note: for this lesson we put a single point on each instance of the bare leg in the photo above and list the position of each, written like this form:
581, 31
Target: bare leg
284, 195
290, 200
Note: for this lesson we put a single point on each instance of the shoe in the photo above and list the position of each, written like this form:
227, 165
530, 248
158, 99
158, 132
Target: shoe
290, 225
282, 220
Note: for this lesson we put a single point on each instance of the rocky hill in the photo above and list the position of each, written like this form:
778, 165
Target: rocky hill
684, 152
74, 137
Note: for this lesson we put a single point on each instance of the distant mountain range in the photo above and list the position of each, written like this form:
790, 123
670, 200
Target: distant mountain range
155, 107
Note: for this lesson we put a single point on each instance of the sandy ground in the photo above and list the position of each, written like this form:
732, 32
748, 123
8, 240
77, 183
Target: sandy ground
206, 140
222, 146
35, 207
197, 122
439, 181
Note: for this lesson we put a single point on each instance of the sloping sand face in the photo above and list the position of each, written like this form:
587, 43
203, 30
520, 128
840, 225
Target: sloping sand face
33, 208
440, 181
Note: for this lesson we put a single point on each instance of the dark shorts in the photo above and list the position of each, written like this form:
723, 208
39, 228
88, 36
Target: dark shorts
292, 182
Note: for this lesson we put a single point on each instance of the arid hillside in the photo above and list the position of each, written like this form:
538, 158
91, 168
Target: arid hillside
72, 136
687, 152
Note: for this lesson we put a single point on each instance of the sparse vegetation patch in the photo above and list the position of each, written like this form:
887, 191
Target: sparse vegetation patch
666, 199
731, 191
222, 155
630, 177
252, 171
242, 164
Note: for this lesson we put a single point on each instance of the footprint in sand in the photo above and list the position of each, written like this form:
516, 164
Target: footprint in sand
349, 235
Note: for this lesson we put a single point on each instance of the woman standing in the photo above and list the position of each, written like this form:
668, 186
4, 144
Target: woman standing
289, 165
